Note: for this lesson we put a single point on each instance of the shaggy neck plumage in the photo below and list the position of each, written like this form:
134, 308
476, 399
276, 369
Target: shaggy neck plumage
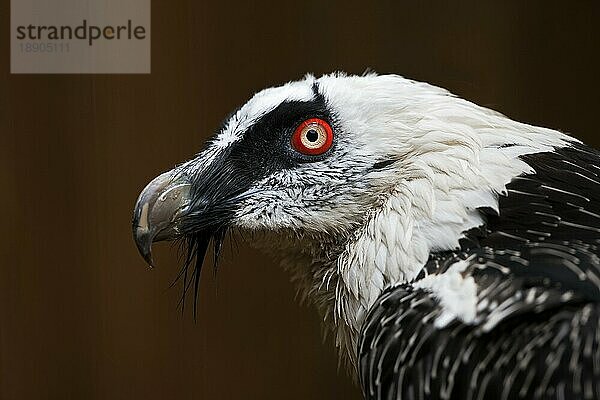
461, 158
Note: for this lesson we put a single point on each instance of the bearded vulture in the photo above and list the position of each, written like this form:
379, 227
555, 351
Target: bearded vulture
452, 252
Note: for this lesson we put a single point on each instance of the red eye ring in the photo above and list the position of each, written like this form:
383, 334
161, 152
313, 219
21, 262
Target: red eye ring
313, 137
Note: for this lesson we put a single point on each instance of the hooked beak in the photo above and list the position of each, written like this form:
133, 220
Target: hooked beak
158, 210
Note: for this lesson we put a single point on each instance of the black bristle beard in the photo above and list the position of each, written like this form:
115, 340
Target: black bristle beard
193, 249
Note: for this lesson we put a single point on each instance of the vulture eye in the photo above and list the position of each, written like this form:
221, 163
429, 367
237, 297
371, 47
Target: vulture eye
313, 137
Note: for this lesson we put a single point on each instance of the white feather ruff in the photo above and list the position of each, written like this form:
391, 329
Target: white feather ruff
362, 229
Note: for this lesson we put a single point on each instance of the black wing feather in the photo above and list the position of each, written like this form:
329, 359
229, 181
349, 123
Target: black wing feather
537, 269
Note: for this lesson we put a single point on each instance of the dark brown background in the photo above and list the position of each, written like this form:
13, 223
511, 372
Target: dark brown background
81, 317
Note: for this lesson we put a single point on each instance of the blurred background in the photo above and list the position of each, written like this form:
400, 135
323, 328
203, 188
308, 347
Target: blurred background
82, 317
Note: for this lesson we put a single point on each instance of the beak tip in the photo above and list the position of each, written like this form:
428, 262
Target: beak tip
148, 259
143, 240
155, 211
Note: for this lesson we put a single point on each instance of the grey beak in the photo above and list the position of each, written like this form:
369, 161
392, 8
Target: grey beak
157, 212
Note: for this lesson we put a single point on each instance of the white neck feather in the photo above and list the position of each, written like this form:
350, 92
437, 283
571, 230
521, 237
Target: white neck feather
455, 162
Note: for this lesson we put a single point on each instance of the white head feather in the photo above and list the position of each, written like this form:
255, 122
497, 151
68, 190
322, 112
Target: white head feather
346, 230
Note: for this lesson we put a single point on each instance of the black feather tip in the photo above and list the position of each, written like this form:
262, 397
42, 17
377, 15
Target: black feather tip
193, 249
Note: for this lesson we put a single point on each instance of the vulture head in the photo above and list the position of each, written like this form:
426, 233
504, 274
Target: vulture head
350, 182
